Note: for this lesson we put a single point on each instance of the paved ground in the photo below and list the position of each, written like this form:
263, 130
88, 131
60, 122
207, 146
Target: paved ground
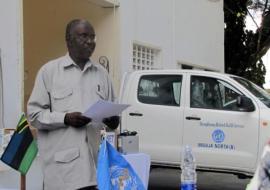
169, 179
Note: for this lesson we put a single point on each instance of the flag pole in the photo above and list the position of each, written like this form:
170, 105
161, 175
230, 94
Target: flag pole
23, 182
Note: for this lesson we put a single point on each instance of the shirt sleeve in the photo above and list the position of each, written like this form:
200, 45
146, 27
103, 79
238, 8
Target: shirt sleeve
39, 106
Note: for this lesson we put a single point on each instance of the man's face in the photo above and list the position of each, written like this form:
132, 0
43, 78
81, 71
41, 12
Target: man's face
82, 42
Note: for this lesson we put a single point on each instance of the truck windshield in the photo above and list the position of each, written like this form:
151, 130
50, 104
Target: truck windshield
257, 91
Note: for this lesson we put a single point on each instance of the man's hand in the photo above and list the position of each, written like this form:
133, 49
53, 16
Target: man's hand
76, 119
112, 122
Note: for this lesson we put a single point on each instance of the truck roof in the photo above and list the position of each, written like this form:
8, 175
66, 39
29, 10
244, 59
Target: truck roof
178, 71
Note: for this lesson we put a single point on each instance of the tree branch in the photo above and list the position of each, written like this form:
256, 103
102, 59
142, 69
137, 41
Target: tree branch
261, 28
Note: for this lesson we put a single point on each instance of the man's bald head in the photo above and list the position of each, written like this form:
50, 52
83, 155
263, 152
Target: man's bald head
80, 39
72, 24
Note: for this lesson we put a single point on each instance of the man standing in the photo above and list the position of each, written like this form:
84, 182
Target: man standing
65, 87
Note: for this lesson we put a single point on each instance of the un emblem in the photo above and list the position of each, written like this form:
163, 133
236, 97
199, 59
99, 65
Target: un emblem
121, 179
218, 136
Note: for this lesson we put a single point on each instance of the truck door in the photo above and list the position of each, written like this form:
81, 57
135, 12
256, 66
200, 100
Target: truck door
221, 135
156, 113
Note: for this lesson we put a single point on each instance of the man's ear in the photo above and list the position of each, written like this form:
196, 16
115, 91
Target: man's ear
69, 43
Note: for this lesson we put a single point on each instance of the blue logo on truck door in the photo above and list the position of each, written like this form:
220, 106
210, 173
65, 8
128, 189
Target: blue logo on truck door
218, 136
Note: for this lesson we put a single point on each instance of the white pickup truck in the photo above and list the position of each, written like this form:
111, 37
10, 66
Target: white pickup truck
225, 118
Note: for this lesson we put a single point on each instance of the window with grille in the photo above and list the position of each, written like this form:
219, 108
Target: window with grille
144, 58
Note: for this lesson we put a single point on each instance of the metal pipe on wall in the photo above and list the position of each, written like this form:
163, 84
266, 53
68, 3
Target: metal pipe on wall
1, 95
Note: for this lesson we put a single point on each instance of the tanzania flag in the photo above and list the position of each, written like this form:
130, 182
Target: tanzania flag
22, 148
114, 172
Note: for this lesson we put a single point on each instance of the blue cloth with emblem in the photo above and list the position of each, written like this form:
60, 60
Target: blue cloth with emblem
114, 172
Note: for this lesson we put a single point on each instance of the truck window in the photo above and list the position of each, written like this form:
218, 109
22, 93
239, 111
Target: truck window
160, 89
212, 93
257, 91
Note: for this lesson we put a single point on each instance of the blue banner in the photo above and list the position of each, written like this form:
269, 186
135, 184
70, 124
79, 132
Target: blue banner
114, 172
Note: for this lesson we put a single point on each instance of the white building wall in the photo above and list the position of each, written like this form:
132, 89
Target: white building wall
199, 36
11, 56
189, 32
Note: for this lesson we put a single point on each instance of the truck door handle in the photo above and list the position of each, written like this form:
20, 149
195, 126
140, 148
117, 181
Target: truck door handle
193, 118
136, 114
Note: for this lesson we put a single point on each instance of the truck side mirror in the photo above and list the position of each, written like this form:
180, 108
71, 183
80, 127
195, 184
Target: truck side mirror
245, 104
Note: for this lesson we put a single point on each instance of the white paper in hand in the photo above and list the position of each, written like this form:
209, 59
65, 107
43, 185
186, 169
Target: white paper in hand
103, 109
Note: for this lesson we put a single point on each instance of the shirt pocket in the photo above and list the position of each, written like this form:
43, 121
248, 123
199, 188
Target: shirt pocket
62, 100
66, 156
100, 92
68, 164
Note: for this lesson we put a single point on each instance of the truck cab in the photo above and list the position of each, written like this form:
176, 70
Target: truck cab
224, 118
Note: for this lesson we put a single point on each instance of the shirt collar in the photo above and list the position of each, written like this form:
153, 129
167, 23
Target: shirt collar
68, 62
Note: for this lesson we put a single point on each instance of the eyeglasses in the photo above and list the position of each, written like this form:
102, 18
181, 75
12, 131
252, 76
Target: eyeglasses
93, 39
88, 38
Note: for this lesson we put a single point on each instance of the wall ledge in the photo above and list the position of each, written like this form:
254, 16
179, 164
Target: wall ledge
106, 3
